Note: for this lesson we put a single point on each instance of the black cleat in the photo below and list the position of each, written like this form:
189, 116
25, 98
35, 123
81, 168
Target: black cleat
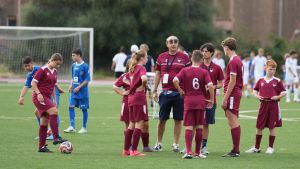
232, 154
44, 149
58, 140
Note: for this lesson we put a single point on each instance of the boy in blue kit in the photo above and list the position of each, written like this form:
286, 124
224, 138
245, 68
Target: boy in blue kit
79, 96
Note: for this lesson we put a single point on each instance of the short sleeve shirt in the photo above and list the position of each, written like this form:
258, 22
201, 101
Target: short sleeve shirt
235, 67
46, 80
269, 88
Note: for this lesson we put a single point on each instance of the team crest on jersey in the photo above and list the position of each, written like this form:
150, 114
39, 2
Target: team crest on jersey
166, 60
211, 70
274, 84
47, 73
262, 84
179, 60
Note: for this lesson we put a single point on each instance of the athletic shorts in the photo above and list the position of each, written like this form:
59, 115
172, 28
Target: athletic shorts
291, 80
118, 74
168, 101
210, 115
80, 103
42, 107
194, 117
138, 113
124, 115
233, 104
269, 115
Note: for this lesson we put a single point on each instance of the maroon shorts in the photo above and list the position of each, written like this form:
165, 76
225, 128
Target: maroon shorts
42, 107
138, 113
124, 115
269, 115
194, 117
233, 104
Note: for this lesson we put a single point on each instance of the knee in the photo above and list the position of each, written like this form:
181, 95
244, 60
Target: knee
162, 123
146, 126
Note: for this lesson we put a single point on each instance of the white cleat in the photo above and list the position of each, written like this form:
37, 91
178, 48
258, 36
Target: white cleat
82, 131
270, 150
187, 156
70, 130
253, 150
158, 147
288, 100
175, 147
196, 156
204, 151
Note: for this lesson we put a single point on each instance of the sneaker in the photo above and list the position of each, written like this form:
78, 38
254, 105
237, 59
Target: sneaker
59, 140
183, 151
232, 154
253, 150
204, 151
136, 153
70, 130
44, 149
49, 137
82, 131
175, 147
288, 100
187, 156
148, 149
158, 147
270, 150
296, 100
197, 156
125, 153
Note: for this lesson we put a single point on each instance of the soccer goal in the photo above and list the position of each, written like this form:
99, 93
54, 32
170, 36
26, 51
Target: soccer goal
40, 43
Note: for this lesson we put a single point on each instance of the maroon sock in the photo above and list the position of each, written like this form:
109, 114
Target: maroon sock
42, 136
145, 139
271, 141
198, 140
236, 134
257, 141
136, 138
54, 125
188, 140
127, 139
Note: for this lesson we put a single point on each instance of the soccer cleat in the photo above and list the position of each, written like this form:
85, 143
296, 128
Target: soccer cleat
196, 156
44, 149
232, 154
125, 153
183, 151
175, 147
158, 147
70, 130
288, 100
187, 156
296, 100
136, 153
49, 137
148, 149
253, 150
204, 151
59, 140
82, 131
270, 150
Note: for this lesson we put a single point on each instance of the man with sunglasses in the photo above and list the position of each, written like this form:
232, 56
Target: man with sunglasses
168, 64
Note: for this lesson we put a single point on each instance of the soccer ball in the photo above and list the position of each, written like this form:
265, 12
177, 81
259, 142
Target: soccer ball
66, 147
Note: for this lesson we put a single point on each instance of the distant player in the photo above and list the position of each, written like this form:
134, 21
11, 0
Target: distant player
43, 85
246, 77
233, 86
194, 81
78, 88
138, 111
258, 65
292, 77
269, 90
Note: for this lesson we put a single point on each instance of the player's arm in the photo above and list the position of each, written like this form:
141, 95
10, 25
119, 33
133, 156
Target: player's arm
70, 86
119, 91
291, 71
230, 87
54, 97
22, 95
37, 91
251, 69
211, 90
177, 86
219, 84
113, 66
282, 94
144, 80
59, 89
256, 94
156, 83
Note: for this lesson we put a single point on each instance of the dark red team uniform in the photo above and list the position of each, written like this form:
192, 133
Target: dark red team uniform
46, 80
193, 81
269, 113
124, 114
137, 99
235, 67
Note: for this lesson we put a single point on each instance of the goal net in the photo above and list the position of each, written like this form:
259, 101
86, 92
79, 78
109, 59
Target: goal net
40, 43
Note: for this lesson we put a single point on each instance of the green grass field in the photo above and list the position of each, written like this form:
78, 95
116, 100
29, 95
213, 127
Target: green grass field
101, 147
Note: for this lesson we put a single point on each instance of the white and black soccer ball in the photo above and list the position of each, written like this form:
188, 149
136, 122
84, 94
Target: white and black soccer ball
66, 147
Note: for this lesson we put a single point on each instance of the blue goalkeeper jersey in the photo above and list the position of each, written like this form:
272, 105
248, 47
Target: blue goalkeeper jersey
30, 76
80, 73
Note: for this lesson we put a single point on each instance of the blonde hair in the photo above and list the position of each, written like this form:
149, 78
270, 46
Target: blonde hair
56, 57
136, 57
271, 63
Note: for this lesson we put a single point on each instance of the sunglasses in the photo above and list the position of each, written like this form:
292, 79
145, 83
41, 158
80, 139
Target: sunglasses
173, 41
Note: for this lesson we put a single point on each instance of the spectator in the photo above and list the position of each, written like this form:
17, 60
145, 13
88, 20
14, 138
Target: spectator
117, 62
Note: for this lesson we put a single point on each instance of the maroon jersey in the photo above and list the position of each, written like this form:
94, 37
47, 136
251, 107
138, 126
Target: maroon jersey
215, 73
134, 97
193, 80
235, 67
171, 64
46, 80
269, 88
120, 83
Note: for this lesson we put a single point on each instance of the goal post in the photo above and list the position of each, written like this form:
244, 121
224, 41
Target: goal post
40, 43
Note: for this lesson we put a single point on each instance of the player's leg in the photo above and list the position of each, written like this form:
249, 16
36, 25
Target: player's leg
198, 141
288, 90
136, 138
270, 149
43, 133
210, 119
128, 138
258, 137
72, 104
37, 115
296, 89
84, 105
52, 112
145, 137
178, 117
188, 141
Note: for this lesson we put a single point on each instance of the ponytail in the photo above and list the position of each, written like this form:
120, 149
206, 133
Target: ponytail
136, 57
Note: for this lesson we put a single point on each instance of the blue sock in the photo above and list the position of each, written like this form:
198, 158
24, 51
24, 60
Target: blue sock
72, 116
204, 141
58, 120
85, 117
38, 120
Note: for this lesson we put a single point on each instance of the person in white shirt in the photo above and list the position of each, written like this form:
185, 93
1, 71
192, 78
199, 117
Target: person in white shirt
258, 64
218, 59
117, 62
292, 77
246, 80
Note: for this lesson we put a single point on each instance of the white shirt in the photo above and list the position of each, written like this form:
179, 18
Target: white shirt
291, 63
119, 59
246, 67
220, 62
259, 65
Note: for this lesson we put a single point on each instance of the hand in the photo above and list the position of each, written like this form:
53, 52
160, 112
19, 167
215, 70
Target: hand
21, 101
259, 97
40, 98
275, 98
54, 103
181, 92
210, 104
70, 88
155, 96
61, 91
125, 93
76, 90
224, 104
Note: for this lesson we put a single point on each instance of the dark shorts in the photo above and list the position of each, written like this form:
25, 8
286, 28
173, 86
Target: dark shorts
118, 74
194, 117
269, 115
138, 113
124, 115
42, 107
169, 101
210, 115
80, 103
